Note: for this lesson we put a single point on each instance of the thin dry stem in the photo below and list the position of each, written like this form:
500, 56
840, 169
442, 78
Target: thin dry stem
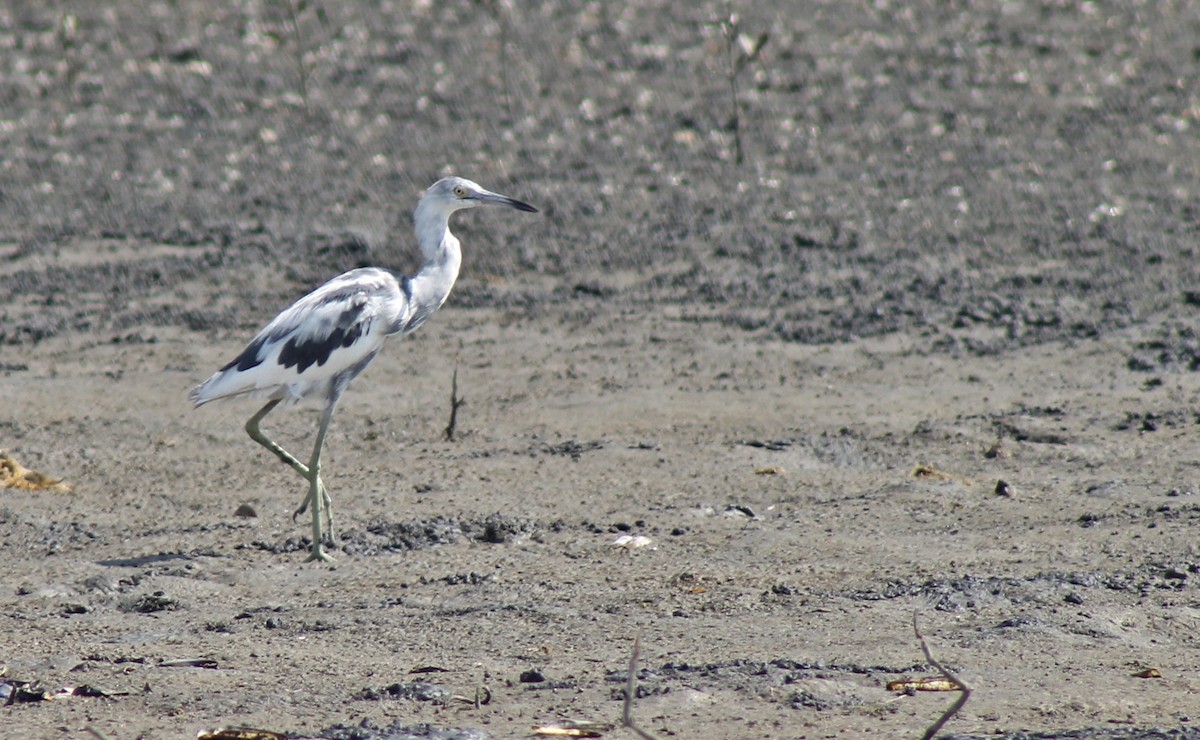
936, 727
631, 691
738, 58
455, 402
299, 53
730, 28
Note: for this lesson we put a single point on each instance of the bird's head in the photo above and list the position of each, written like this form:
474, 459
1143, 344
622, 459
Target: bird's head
442, 199
452, 194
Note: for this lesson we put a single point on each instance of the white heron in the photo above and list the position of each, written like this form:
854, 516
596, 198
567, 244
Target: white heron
322, 341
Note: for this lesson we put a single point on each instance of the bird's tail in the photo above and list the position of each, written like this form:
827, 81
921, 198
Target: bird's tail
216, 387
231, 383
199, 396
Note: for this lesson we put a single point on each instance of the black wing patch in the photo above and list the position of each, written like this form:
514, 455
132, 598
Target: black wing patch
307, 346
316, 350
249, 357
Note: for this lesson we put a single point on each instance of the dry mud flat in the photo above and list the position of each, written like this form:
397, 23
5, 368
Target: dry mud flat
791, 542
963, 236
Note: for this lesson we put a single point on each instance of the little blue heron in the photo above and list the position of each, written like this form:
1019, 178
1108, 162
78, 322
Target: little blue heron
322, 341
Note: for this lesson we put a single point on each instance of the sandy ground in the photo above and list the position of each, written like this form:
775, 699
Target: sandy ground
776, 596
963, 239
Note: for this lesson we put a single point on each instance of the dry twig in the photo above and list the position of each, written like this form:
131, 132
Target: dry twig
455, 402
962, 699
740, 52
299, 50
631, 691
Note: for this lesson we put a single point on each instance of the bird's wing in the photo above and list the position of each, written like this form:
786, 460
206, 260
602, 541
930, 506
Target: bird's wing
324, 333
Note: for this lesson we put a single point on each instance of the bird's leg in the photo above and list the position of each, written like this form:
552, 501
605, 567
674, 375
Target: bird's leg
317, 496
257, 435
316, 488
326, 500
303, 507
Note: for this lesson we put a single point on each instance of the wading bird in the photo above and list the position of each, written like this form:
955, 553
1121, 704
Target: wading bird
319, 344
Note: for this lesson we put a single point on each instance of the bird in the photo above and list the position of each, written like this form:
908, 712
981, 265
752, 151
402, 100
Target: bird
319, 344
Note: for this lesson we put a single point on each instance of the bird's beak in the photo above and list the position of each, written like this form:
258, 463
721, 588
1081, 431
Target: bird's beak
487, 197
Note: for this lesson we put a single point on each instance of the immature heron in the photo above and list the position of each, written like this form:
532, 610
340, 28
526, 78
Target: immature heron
325, 339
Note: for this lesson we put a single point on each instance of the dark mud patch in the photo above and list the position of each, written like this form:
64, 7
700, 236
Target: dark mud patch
1153, 421
414, 691
880, 193
48, 538
841, 449
368, 730
1043, 589
380, 536
1092, 733
572, 448
1172, 348
150, 603
802, 685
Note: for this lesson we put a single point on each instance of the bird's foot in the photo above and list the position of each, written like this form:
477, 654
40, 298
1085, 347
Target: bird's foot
318, 554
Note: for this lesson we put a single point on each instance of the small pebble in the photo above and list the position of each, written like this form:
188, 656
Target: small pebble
532, 676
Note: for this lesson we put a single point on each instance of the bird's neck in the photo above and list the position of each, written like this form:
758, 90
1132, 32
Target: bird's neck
436, 277
443, 258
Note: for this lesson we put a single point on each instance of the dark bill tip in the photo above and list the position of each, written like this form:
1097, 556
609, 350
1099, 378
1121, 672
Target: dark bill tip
504, 200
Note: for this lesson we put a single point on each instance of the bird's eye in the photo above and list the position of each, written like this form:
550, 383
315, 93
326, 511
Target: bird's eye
460, 191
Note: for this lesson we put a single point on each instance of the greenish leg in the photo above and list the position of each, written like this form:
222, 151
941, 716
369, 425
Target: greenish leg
317, 495
257, 435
